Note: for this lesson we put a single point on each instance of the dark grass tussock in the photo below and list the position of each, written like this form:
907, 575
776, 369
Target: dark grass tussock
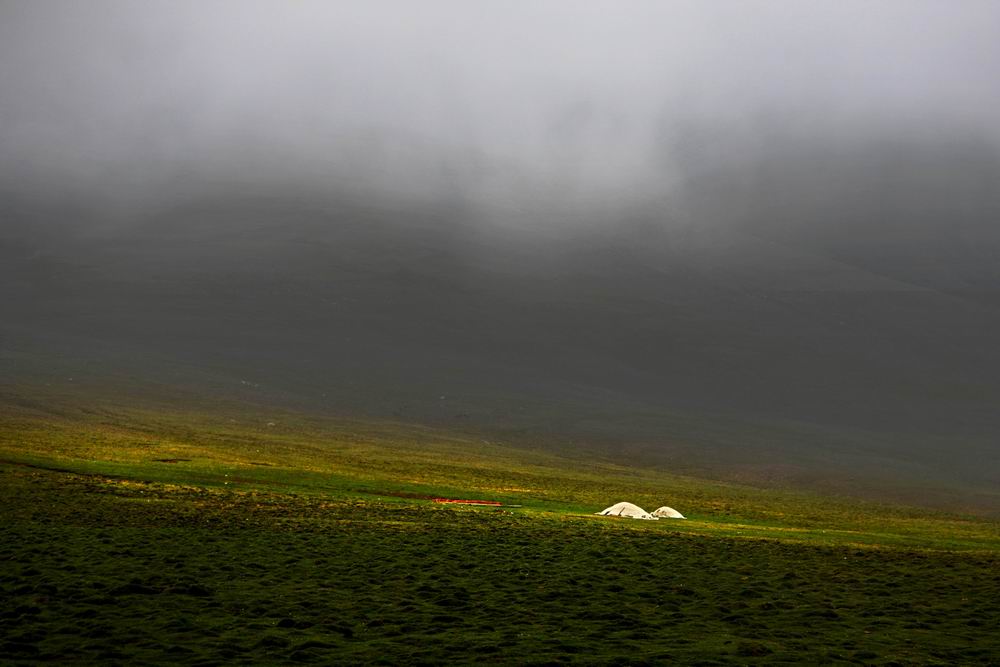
102, 571
166, 536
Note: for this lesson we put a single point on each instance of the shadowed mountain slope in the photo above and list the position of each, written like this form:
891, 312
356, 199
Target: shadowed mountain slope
744, 342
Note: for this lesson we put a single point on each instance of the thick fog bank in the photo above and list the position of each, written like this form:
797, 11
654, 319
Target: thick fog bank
758, 229
579, 106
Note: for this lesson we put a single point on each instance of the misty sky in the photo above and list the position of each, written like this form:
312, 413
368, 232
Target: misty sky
564, 102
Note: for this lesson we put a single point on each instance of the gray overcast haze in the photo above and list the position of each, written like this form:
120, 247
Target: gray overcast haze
565, 101
761, 238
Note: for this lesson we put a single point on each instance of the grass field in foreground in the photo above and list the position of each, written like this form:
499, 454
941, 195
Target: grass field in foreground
211, 538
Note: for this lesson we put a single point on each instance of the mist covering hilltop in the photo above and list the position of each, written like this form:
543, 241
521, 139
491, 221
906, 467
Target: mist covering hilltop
762, 233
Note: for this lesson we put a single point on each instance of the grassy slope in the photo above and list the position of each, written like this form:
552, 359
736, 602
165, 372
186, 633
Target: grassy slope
243, 448
306, 540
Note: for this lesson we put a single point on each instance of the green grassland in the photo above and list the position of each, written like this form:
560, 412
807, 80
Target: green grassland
232, 534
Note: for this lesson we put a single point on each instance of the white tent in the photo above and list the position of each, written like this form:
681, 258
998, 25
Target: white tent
667, 513
629, 510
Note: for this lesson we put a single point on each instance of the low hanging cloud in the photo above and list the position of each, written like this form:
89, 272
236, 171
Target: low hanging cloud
766, 229
594, 104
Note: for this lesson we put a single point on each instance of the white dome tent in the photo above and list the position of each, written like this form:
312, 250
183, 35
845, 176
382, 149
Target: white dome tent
629, 510
667, 513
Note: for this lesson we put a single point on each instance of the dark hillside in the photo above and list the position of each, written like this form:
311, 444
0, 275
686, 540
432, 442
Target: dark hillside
719, 340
